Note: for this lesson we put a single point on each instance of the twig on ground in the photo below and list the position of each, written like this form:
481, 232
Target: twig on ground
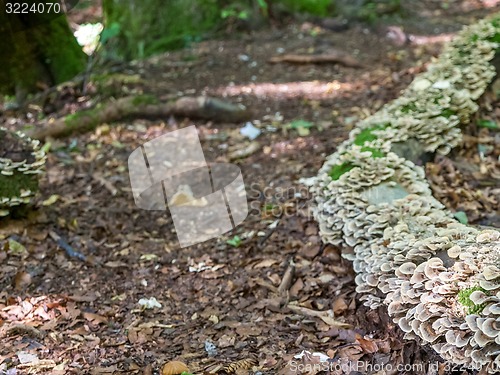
286, 282
72, 253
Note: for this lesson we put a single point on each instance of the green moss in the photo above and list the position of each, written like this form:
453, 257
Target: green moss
495, 38
113, 84
463, 298
375, 152
42, 50
447, 113
367, 135
144, 100
72, 120
316, 7
496, 23
409, 108
11, 186
63, 55
81, 121
339, 170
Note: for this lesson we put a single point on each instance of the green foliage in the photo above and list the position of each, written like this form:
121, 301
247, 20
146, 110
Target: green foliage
264, 8
463, 298
16, 248
136, 29
234, 242
110, 32
243, 10
489, 124
151, 26
232, 11
301, 126
461, 217
316, 7
367, 135
495, 38
368, 10
339, 170
372, 10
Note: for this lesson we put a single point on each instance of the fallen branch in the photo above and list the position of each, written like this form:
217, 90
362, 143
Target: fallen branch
286, 282
25, 330
140, 106
326, 316
326, 58
72, 253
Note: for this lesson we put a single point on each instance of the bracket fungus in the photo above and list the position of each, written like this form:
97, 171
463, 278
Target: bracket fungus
21, 162
439, 279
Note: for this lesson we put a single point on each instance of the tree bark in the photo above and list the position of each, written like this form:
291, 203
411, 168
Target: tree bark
39, 50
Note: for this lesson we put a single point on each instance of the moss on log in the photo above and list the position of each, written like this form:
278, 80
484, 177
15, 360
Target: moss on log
140, 106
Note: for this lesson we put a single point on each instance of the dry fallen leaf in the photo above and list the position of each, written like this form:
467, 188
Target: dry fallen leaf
240, 366
368, 346
174, 368
22, 280
95, 318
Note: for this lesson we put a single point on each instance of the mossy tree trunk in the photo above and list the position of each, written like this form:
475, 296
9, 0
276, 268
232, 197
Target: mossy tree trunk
38, 50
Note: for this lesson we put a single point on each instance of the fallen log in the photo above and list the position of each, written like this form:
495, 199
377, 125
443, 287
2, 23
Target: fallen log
438, 278
206, 108
22, 161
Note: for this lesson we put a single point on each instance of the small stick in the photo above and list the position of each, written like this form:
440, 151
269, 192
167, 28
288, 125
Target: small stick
72, 253
286, 282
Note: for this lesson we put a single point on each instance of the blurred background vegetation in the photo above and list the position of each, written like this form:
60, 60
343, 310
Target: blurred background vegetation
44, 52
143, 28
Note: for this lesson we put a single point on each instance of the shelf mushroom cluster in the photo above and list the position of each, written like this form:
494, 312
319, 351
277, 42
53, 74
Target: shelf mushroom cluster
21, 160
440, 279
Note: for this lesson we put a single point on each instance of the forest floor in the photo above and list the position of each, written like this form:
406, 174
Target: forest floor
220, 308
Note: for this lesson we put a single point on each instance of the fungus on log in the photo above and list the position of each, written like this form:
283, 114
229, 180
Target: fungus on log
21, 162
439, 279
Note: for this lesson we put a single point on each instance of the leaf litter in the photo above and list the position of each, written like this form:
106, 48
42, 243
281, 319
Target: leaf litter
73, 273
